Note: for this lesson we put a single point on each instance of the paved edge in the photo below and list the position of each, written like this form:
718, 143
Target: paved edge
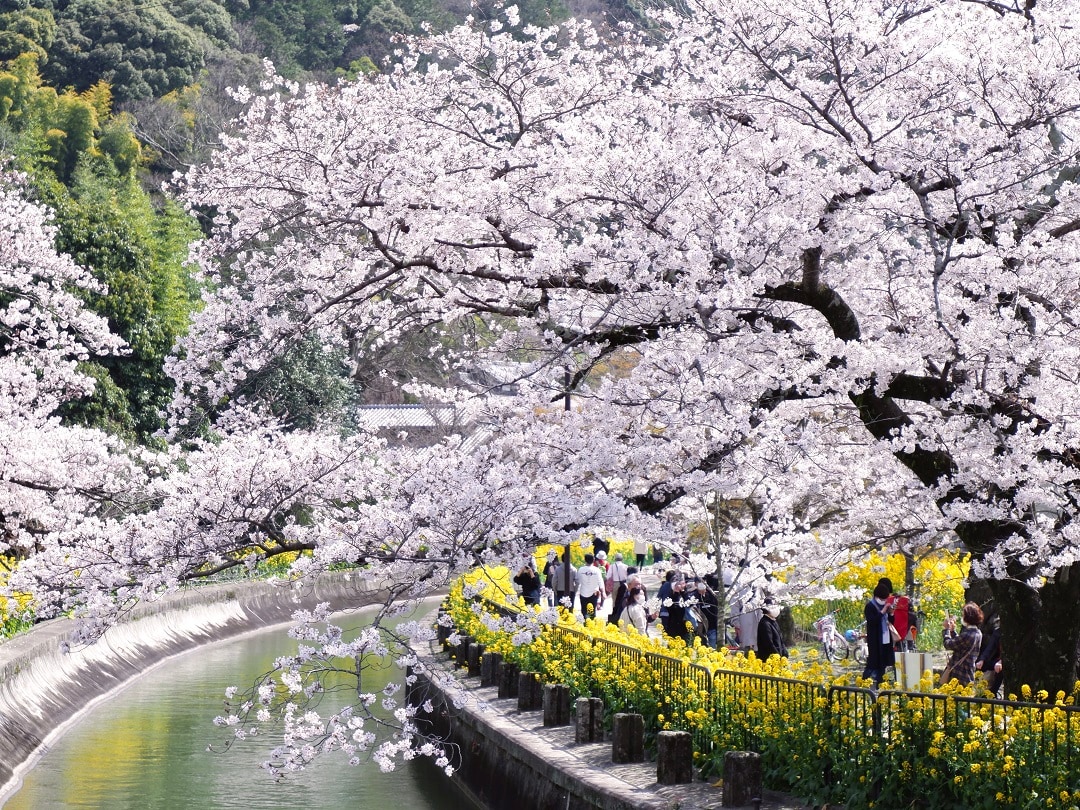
548, 760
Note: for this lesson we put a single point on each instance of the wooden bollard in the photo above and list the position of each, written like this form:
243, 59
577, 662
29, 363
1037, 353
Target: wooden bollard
627, 738
508, 680
461, 654
597, 715
475, 652
530, 691
489, 668
583, 720
556, 704
742, 778
443, 630
674, 757
590, 720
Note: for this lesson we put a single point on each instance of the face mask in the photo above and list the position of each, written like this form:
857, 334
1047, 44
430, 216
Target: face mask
639, 599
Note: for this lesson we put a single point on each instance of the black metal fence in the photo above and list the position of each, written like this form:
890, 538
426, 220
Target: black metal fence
847, 730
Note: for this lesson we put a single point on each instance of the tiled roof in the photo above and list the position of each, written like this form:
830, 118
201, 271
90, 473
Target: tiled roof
378, 417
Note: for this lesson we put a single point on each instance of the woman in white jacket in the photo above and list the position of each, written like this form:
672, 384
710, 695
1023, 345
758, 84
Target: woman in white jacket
636, 614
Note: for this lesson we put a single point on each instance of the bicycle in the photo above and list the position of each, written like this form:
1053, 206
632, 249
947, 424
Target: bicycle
833, 643
856, 642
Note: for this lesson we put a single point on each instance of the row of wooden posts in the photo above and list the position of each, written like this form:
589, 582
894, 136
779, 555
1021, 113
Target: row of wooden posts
674, 749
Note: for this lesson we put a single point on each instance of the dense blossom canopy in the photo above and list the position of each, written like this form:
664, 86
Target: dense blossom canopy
53, 478
830, 246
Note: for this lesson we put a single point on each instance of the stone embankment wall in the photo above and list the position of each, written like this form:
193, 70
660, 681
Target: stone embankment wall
507, 760
42, 686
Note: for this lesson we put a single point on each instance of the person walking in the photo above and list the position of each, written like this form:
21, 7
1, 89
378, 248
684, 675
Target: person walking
564, 579
964, 645
549, 580
663, 595
615, 586
529, 582
641, 548
600, 558
710, 608
989, 660
636, 614
590, 587
902, 623
674, 623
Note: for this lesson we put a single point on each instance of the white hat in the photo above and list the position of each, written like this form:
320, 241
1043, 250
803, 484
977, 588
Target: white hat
601, 555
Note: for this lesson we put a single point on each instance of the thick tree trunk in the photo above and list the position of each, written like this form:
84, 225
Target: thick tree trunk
1040, 633
1040, 629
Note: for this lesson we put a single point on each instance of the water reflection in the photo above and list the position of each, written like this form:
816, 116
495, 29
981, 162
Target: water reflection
146, 748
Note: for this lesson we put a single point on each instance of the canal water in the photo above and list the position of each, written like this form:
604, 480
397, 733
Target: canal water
145, 748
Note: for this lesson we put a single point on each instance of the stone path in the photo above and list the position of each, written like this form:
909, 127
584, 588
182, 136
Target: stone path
628, 785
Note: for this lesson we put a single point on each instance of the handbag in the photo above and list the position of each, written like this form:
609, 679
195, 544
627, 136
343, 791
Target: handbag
946, 674
894, 634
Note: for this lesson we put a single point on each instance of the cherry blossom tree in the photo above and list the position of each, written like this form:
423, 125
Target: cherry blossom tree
54, 479
837, 239
829, 245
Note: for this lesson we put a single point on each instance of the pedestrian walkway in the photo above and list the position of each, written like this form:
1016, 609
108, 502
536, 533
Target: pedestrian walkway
627, 785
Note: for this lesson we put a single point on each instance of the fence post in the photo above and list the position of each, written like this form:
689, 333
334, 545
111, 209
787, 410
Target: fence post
508, 680
674, 758
530, 694
475, 652
742, 778
627, 738
461, 654
596, 714
489, 668
590, 720
556, 704
443, 629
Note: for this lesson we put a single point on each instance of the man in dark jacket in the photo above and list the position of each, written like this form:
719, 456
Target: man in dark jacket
989, 659
710, 607
674, 620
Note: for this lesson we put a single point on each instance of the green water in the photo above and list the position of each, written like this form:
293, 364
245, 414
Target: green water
146, 748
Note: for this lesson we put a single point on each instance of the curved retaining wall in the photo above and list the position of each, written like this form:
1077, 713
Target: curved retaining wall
506, 759
502, 765
42, 687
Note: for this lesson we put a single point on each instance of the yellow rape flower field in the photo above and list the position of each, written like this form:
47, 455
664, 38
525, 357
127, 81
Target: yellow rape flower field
823, 738
15, 614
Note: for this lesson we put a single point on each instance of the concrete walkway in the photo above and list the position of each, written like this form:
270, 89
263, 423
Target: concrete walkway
554, 749
628, 785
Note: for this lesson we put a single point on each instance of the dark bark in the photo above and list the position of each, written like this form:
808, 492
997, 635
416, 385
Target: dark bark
1040, 627
1040, 632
